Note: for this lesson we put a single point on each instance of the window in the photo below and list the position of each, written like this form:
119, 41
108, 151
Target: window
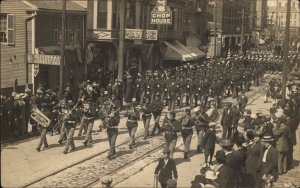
7, 28
3, 28
102, 14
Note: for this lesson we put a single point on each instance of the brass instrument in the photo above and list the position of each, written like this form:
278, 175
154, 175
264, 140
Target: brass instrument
40, 117
65, 116
107, 118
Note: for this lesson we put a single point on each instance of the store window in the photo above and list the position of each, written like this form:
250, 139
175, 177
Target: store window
102, 14
7, 29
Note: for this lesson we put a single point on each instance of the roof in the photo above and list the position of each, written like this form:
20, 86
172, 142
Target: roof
54, 5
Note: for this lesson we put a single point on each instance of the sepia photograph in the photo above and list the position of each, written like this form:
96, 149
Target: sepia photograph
150, 93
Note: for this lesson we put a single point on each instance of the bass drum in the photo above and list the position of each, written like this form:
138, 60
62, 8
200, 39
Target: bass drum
212, 114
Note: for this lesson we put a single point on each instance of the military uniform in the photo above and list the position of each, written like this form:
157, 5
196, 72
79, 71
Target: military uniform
70, 125
187, 131
146, 116
113, 121
43, 130
132, 124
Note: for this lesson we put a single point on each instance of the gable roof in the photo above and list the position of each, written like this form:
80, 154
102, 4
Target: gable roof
54, 5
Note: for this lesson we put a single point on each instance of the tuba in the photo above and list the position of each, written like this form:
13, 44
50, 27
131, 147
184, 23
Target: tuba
40, 117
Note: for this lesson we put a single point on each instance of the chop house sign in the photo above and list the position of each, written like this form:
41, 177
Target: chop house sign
161, 14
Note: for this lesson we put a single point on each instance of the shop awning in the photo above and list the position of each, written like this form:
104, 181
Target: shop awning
177, 51
197, 51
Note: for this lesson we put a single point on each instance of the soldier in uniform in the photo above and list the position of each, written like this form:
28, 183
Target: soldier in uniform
88, 119
111, 122
242, 101
36, 101
43, 130
208, 142
117, 90
132, 124
146, 116
70, 121
201, 124
187, 131
138, 90
157, 108
171, 128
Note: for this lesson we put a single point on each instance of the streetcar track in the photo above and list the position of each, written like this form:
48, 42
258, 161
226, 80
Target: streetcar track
119, 145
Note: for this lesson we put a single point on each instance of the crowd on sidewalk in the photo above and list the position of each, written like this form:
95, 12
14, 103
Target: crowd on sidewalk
255, 156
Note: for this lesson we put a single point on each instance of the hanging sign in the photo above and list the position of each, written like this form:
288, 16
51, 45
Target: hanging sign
44, 59
161, 14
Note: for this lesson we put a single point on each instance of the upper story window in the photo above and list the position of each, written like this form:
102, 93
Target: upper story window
102, 14
7, 29
72, 30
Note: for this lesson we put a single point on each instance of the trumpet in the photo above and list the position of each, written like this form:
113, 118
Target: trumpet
40, 117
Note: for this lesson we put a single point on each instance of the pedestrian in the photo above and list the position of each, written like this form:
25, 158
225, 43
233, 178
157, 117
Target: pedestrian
171, 128
281, 133
28, 105
231, 159
166, 169
208, 143
146, 116
187, 123
226, 121
268, 163
225, 175
132, 124
254, 149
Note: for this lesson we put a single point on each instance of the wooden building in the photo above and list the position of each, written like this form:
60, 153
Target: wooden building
30, 46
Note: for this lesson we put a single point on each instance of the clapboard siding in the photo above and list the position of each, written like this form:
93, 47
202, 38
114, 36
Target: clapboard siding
17, 69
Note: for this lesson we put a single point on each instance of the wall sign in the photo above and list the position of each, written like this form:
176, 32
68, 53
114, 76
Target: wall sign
140, 34
44, 59
161, 14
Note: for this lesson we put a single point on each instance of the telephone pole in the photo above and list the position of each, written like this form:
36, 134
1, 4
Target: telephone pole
243, 30
62, 50
121, 39
215, 39
286, 50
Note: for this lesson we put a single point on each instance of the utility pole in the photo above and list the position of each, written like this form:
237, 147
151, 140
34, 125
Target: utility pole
286, 49
215, 39
243, 30
121, 39
62, 50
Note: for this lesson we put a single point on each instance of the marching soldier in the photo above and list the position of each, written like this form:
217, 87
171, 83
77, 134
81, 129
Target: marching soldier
70, 121
242, 101
201, 124
146, 116
88, 119
171, 128
157, 108
132, 124
111, 123
43, 129
187, 131
37, 100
